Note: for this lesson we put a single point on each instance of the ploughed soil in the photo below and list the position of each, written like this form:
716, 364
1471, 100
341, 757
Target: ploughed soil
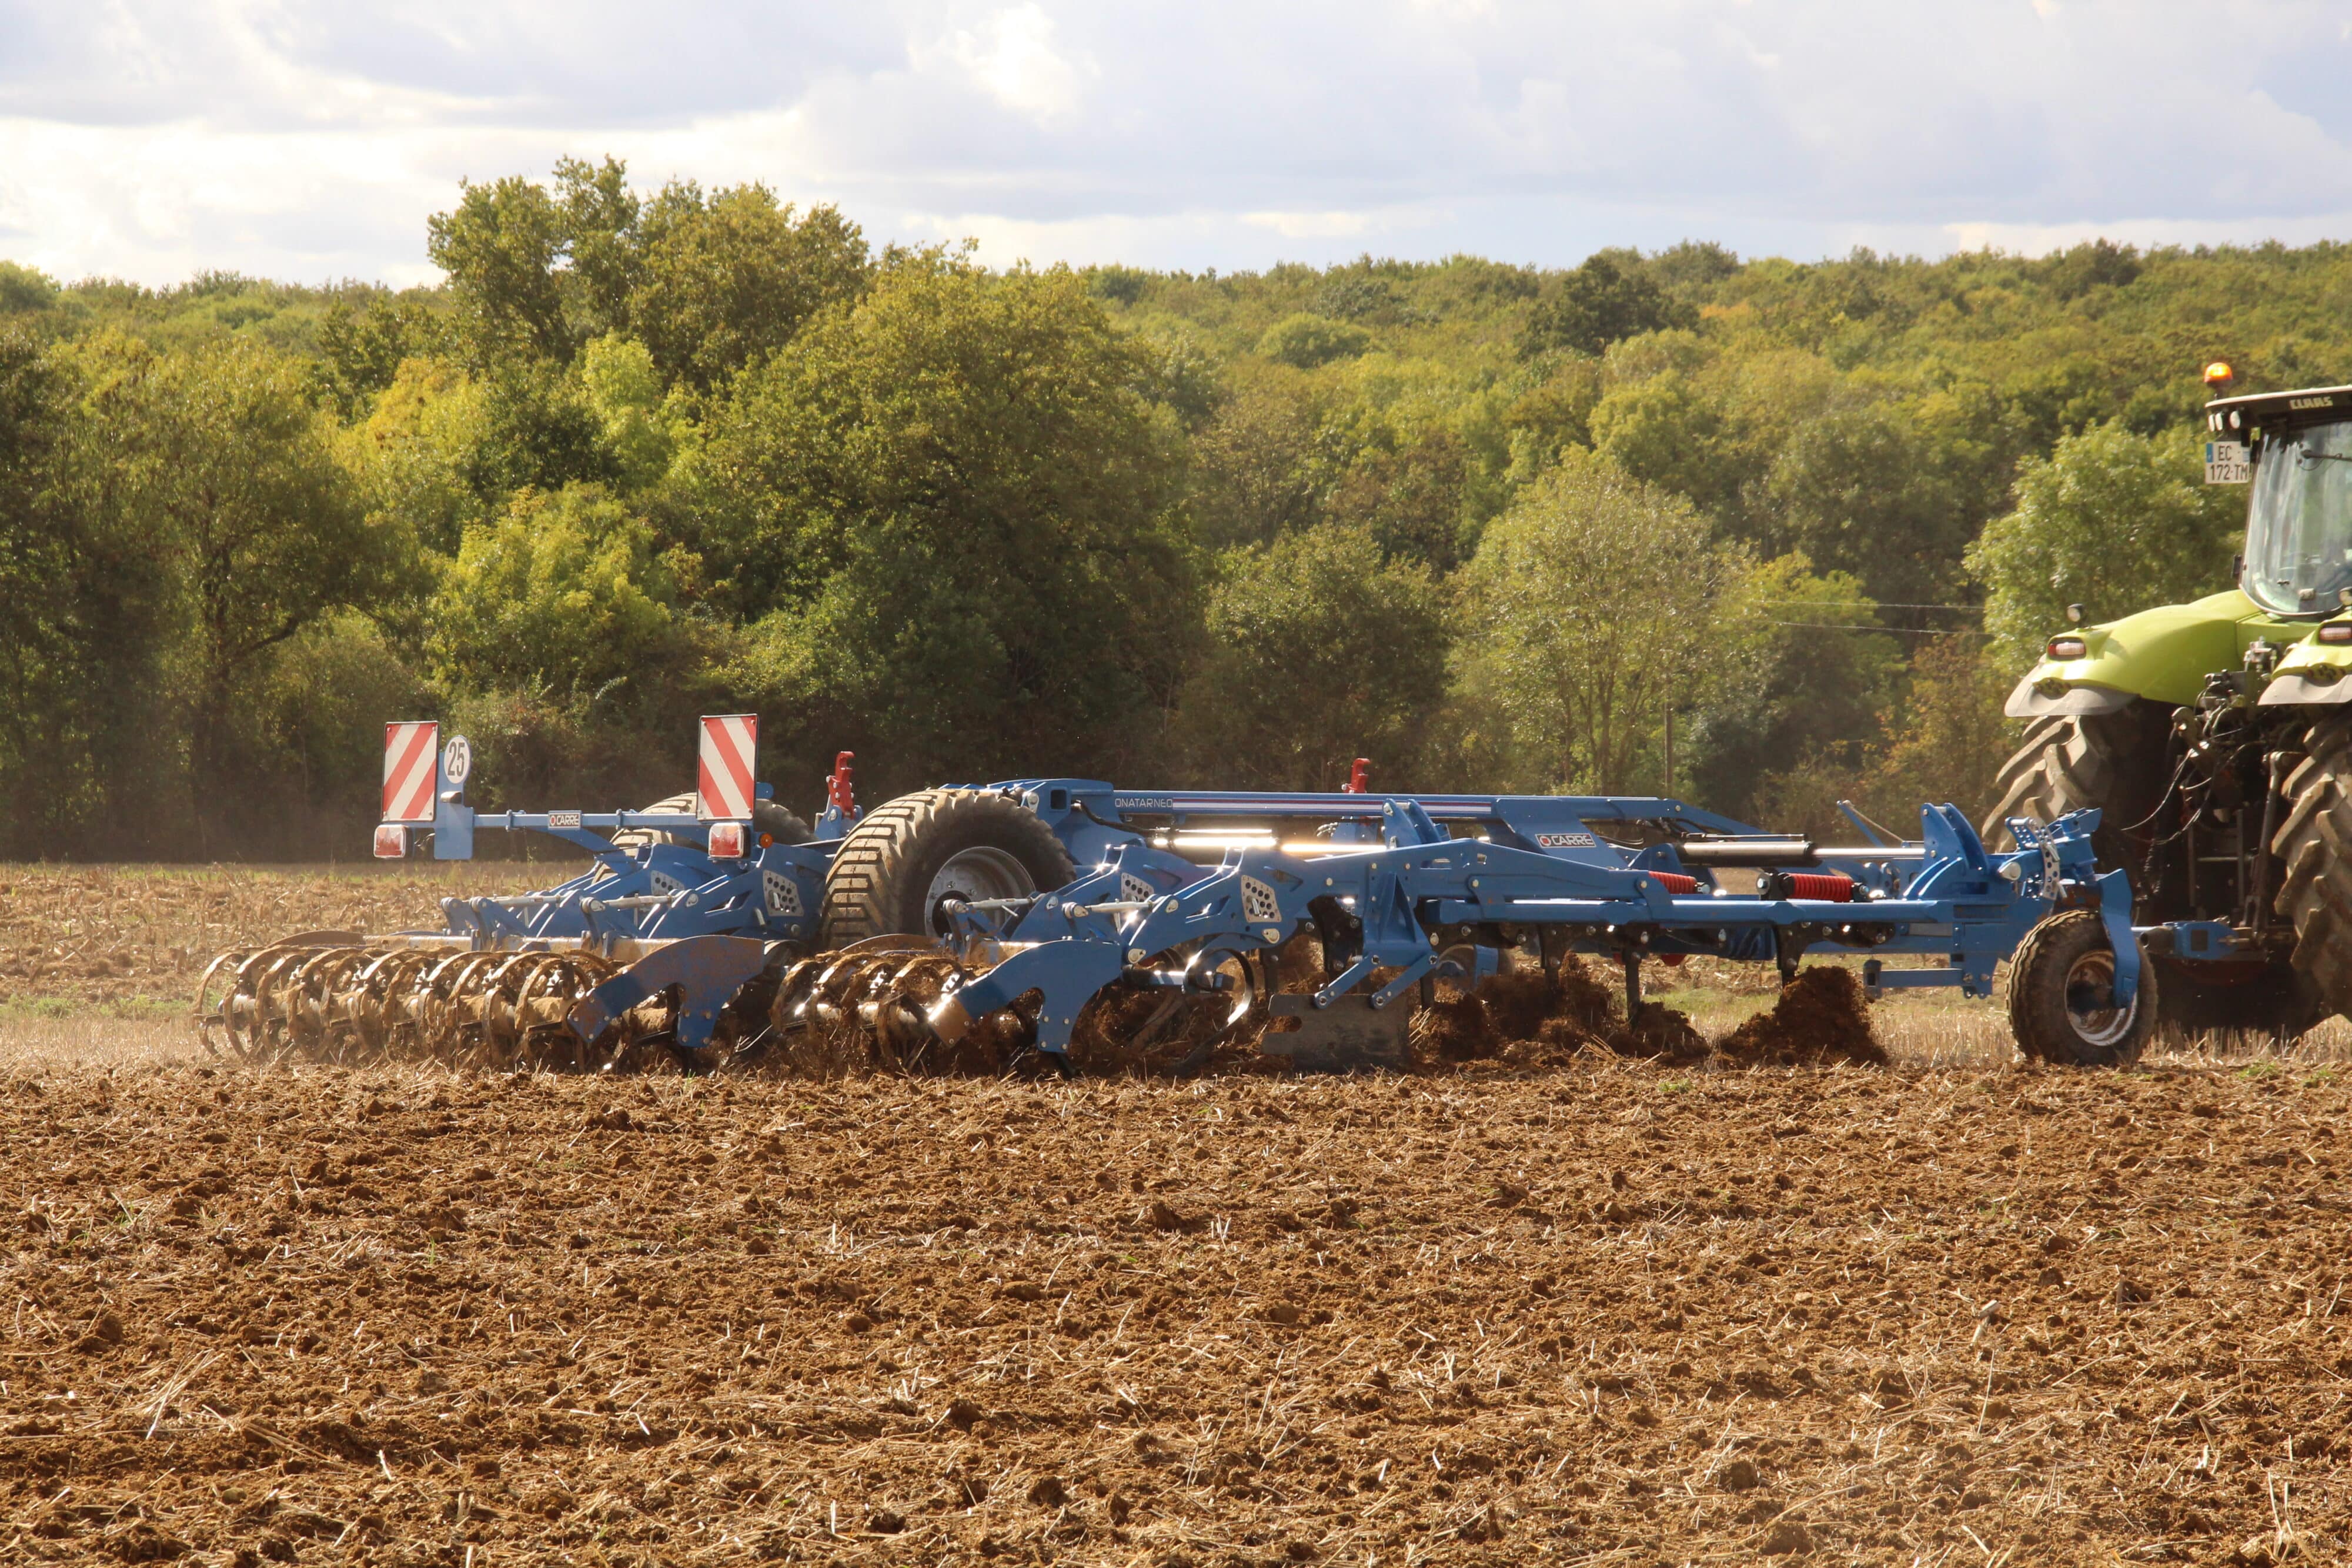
1607, 1310
77, 935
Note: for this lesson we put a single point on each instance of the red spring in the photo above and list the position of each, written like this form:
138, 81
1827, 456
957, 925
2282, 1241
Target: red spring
1829, 888
838, 790
1676, 882
1359, 778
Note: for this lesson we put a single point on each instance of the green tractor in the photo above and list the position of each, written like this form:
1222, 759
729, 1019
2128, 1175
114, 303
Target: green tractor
2216, 739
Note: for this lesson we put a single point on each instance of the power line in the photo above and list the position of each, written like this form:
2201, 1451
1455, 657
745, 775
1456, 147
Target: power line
1896, 630
1869, 605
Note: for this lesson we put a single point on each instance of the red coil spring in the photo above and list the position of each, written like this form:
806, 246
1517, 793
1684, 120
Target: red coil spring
1676, 882
1828, 886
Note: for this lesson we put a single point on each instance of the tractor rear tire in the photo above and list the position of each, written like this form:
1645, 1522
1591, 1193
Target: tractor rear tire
897, 867
2058, 1006
2313, 846
784, 826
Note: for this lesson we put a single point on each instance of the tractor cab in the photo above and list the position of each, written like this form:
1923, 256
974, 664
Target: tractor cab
2298, 446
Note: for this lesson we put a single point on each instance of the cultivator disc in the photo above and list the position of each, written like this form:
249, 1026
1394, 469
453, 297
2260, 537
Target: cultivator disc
297, 1001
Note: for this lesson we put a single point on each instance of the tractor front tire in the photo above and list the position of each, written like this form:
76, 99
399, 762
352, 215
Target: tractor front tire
2314, 849
897, 869
2061, 999
2113, 761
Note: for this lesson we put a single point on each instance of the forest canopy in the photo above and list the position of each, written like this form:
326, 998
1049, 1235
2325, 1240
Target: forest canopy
649, 453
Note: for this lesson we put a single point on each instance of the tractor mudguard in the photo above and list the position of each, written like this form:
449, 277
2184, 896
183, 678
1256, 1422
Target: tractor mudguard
2163, 654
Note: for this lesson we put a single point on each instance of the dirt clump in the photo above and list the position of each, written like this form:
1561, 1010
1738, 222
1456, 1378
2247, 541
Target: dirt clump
1820, 1018
1659, 1033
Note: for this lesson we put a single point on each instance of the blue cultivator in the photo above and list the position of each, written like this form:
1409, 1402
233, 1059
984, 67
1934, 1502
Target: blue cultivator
976, 924
1396, 893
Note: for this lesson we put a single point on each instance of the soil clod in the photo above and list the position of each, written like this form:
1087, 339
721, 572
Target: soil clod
1821, 1019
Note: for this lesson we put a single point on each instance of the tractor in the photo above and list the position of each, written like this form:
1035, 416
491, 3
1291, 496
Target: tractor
2216, 737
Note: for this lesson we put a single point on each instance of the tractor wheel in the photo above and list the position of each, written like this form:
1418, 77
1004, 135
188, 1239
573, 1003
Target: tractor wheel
898, 866
2113, 761
767, 818
2315, 848
2061, 995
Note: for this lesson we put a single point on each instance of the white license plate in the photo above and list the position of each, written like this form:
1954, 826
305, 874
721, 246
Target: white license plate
2226, 463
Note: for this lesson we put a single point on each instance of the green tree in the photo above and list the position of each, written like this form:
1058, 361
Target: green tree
500, 248
1793, 668
564, 591
963, 511
24, 290
217, 458
643, 429
360, 351
1303, 342
52, 647
1318, 650
1578, 622
1409, 498
729, 281
1859, 491
2111, 520
1611, 296
1254, 464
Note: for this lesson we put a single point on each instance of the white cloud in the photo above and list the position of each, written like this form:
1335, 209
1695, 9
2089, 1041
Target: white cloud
148, 137
1011, 57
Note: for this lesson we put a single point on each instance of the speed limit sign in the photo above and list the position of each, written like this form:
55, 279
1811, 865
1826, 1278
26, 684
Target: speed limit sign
457, 760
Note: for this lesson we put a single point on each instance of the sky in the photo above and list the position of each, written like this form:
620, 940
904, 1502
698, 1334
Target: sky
308, 141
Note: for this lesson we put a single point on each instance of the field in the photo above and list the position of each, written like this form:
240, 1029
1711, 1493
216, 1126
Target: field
1950, 1312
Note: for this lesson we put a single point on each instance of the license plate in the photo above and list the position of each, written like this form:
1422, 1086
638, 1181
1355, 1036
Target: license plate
2226, 463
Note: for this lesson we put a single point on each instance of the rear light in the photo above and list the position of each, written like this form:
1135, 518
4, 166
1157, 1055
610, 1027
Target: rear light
726, 840
2068, 647
2336, 631
390, 840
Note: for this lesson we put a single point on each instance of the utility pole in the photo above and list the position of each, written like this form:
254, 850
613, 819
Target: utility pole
1669, 790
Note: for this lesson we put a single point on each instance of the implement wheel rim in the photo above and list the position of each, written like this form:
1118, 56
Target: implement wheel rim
2090, 1000
970, 877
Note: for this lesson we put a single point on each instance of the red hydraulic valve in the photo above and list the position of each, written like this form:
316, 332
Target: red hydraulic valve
838, 790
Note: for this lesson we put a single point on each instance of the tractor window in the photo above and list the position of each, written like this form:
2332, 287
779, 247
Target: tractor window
2299, 523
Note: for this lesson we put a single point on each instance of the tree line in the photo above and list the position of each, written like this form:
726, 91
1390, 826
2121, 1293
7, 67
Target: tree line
646, 455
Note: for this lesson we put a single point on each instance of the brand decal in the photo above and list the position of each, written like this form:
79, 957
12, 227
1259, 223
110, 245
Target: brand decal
1565, 840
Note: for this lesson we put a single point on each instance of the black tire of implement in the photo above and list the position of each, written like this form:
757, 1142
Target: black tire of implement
767, 817
2038, 1015
882, 873
2115, 761
2314, 849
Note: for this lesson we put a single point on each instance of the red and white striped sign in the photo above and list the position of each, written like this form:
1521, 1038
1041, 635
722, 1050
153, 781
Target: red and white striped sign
412, 753
723, 792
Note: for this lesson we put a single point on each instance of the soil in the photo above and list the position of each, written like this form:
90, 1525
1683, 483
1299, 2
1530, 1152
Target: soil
94, 934
1820, 1018
1605, 1310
